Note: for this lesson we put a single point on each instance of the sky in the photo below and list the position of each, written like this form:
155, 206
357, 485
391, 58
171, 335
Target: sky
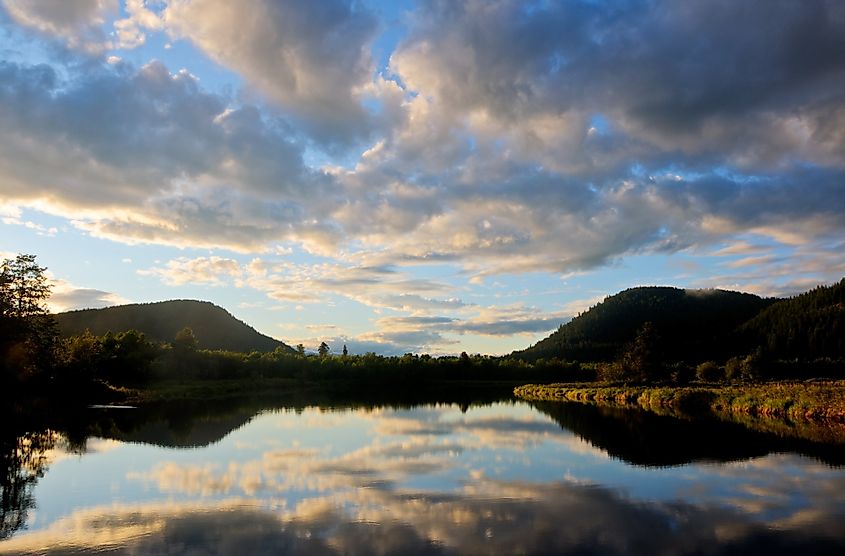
431, 176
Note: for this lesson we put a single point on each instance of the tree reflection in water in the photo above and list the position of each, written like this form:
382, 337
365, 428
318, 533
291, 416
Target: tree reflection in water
365, 498
24, 461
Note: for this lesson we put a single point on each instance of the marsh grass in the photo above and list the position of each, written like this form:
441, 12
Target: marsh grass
812, 409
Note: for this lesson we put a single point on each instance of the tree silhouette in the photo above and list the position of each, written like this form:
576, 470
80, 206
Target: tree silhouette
27, 330
324, 349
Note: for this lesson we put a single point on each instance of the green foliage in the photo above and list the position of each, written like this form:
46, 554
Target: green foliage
709, 371
797, 401
27, 330
745, 369
23, 288
185, 340
695, 325
806, 327
640, 362
122, 358
213, 326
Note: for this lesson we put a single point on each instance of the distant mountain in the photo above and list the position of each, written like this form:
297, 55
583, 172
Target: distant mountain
213, 326
808, 326
691, 324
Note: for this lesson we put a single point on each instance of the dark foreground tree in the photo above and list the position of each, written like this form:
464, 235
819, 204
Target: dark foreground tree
27, 329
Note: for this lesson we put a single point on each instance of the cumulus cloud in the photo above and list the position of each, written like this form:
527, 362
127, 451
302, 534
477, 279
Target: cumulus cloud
145, 155
311, 58
203, 270
500, 138
517, 146
67, 297
666, 75
79, 23
492, 517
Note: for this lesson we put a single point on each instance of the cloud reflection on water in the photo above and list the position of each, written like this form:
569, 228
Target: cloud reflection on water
427, 481
489, 517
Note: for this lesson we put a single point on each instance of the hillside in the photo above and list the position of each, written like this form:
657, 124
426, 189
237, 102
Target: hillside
808, 326
213, 326
691, 324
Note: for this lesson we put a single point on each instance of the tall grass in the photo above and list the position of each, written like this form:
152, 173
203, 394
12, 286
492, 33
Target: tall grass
818, 401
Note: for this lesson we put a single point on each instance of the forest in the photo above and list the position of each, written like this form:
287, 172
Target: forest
649, 335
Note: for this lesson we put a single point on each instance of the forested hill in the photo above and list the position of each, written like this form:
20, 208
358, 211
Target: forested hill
811, 325
691, 324
213, 326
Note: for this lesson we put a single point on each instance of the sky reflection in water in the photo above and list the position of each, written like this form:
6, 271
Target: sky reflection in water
499, 479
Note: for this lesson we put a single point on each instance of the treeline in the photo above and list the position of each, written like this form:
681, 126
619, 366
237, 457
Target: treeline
641, 335
214, 327
91, 364
37, 360
693, 325
660, 334
810, 325
128, 359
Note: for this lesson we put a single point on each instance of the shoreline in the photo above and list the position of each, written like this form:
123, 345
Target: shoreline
820, 402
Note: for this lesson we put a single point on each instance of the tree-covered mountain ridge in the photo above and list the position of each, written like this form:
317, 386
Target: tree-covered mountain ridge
709, 324
213, 326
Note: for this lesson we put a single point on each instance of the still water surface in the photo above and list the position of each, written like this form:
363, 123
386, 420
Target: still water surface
500, 478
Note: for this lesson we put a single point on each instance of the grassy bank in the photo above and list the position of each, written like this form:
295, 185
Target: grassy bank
795, 401
176, 390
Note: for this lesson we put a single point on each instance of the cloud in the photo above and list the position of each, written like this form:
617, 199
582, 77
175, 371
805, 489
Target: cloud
375, 286
68, 297
501, 138
490, 517
428, 324
510, 320
203, 270
486, 321
79, 23
144, 155
130, 31
663, 77
312, 59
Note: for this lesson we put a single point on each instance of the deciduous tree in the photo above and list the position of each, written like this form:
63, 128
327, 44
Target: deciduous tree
27, 330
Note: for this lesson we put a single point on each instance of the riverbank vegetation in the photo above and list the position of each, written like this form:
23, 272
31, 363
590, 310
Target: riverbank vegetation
736, 341
813, 409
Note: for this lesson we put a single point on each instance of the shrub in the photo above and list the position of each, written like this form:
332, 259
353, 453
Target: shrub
709, 371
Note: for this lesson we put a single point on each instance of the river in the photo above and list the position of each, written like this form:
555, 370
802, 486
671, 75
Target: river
495, 477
